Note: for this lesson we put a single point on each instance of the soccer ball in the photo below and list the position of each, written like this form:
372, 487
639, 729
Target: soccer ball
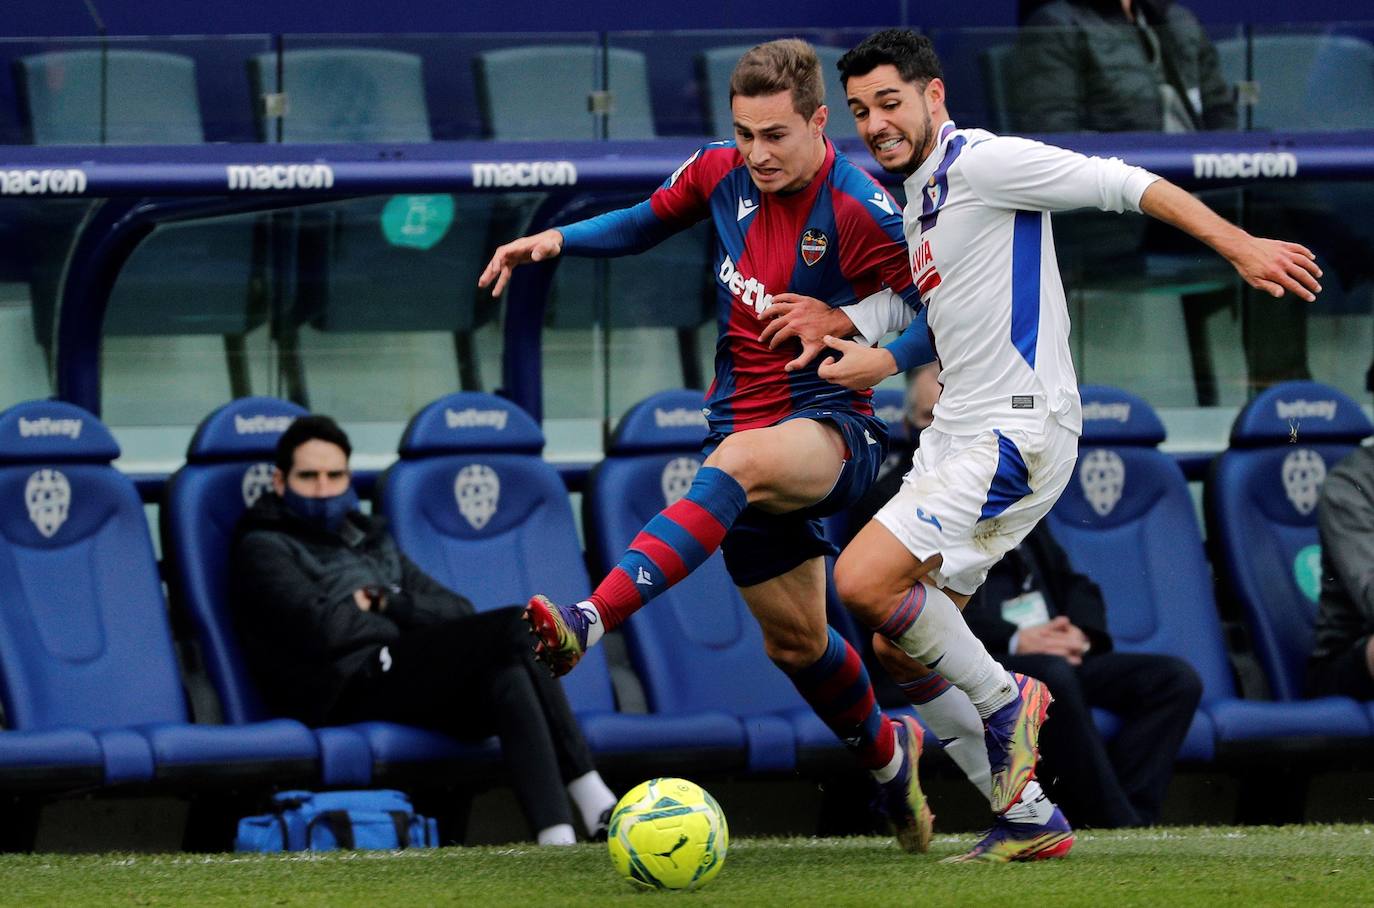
668, 834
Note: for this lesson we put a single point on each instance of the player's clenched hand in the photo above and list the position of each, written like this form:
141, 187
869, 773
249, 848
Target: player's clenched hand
1276, 267
534, 248
803, 318
861, 367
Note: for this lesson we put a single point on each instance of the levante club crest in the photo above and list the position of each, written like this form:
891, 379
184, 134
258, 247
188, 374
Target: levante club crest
813, 246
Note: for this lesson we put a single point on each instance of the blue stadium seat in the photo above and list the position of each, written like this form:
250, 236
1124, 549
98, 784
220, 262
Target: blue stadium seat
84, 637
540, 92
1127, 521
717, 64
1306, 81
149, 98
1261, 509
696, 646
228, 465
474, 505
353, 278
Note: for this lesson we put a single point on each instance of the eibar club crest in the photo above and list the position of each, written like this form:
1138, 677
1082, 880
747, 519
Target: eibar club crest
813, 246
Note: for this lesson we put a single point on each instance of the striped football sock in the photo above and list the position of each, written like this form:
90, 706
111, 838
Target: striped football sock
838, 689
950, 715
671, 546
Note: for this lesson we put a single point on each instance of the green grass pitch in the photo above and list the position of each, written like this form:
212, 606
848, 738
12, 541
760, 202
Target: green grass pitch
1204, 866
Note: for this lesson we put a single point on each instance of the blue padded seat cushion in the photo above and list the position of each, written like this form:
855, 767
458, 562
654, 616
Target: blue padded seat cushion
1115, 417
666, 421
247, 427
1311, 411
52, 431
470, 421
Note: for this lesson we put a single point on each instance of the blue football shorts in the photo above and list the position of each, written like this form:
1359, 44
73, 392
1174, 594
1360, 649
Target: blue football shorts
761, 546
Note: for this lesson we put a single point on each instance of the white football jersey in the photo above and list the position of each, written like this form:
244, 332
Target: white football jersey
978, 231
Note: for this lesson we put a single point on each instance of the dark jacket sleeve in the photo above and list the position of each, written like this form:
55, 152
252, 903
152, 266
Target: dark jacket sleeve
1345, 519
1217, 95
1073, 594
1045, 86
277, 599
424, 601
984, 610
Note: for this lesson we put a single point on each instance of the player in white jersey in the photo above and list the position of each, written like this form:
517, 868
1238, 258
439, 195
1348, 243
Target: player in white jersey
1005, 433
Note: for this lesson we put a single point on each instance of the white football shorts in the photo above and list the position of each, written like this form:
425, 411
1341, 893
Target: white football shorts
973, 498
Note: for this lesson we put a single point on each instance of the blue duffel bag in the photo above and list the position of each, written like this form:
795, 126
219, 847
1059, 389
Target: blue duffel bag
325, 821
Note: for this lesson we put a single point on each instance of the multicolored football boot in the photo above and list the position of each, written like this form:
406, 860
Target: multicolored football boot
1011, 735
1011, 841
901, 799
560, 633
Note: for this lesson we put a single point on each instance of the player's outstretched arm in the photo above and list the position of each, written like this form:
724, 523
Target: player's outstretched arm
1274, 266
535, 248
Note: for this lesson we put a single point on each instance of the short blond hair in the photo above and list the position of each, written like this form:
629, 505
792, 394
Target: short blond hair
789, 64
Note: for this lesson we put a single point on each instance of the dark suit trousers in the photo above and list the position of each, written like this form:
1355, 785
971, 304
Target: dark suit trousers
471, 678
1121, 782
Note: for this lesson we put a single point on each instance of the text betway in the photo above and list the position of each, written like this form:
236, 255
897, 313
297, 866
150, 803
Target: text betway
1115, 412
1306, 409
678, 418
751, 292
261, 424
1258, 164
475, 419
46, 425
280, 176
524, 173
41, 182
890, 415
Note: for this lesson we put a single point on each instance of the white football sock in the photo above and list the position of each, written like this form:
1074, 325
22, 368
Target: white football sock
595, 628
888, 772
592, 798
1032, 807
940, 639
952, 719
562, 834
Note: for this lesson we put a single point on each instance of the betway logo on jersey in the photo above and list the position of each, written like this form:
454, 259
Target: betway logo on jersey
46, 425
524, 173
678, 418
261, 424
42, 182
1115, 412
280, 176
475, 419
923, 269
1306, 409
751, 292
1258, 164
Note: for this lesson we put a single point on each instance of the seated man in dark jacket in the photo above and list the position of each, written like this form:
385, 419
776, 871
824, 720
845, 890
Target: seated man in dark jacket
339, 626
1039, 617
1343, 654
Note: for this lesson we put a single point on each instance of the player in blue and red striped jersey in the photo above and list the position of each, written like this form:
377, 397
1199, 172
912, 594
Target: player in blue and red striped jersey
795, 221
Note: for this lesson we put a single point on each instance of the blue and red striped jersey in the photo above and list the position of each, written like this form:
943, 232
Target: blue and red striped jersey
838, 240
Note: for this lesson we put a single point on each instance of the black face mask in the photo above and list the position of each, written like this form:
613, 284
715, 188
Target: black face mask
325, 513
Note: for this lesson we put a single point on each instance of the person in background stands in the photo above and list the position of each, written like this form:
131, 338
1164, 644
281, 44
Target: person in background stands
1343, 653
339, 627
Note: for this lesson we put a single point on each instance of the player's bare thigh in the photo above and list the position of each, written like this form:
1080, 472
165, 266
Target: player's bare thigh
784, 467
790, 609
875, 572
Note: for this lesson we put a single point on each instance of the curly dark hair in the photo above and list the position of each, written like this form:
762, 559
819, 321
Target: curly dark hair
912, 54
